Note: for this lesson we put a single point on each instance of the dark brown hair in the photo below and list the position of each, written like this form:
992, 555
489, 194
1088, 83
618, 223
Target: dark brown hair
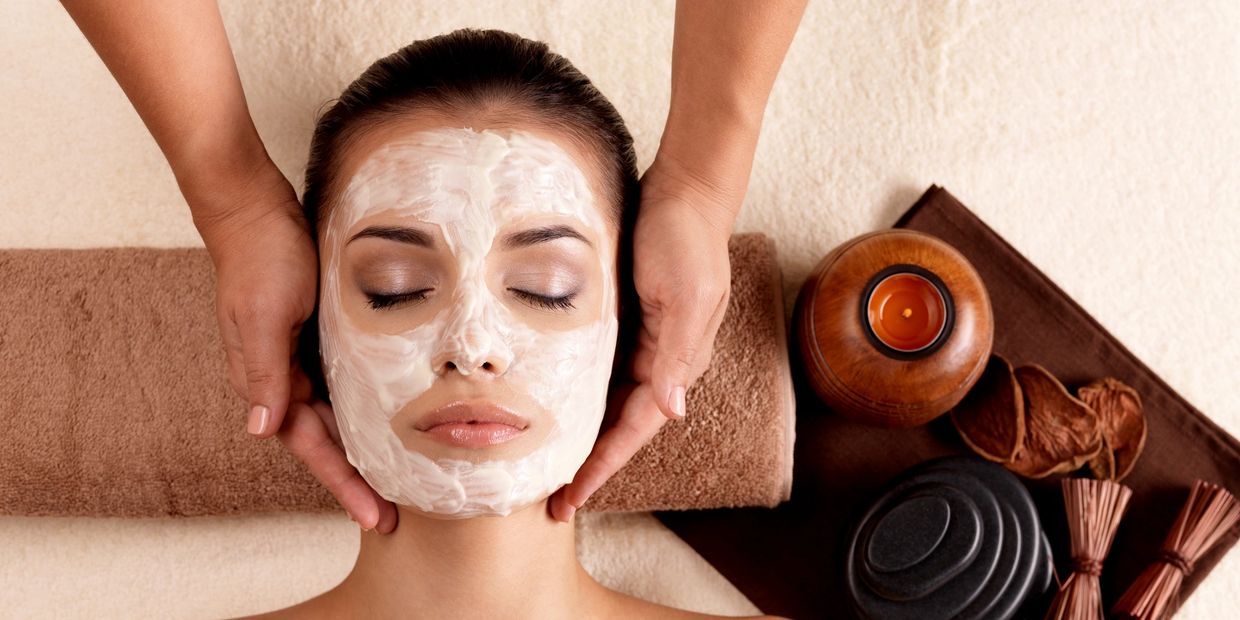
494, 74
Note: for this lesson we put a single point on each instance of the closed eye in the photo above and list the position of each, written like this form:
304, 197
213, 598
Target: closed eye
379, 301
554, 303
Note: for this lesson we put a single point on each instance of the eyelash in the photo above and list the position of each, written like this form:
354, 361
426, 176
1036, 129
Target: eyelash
554, 303
379, 301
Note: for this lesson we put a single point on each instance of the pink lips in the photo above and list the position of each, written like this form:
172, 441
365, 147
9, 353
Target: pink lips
472, 424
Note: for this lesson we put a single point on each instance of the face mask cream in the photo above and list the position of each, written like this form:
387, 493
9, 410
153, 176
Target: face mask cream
471, 184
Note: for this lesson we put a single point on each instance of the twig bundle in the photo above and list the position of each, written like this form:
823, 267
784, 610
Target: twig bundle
1209, 512
1094, 509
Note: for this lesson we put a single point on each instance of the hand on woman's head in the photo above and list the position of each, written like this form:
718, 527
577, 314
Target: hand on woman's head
682, 273
267, 275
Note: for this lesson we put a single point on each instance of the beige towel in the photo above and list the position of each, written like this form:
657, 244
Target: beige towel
115, 400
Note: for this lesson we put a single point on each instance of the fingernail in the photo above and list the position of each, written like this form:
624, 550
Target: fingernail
258, 419
351, 517
368, 517
677, 401
569, 512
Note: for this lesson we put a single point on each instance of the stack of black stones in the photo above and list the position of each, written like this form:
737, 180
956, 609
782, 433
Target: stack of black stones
955, 537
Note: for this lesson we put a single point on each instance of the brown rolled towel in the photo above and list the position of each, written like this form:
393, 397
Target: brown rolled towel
115, 399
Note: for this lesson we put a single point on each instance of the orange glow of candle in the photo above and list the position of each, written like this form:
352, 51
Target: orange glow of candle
906, 312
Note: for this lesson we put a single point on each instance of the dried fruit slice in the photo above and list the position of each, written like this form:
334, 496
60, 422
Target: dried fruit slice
1121, 418
1103, 463
1061, 432
991, 418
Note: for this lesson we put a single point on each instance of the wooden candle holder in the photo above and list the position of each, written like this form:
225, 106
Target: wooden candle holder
862, 373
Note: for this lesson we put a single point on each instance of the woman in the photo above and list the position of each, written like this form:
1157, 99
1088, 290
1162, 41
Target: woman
472, 197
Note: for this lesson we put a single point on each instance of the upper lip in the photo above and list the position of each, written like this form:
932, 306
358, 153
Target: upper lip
467, 411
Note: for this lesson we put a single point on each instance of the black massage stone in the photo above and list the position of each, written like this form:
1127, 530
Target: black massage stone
955, 537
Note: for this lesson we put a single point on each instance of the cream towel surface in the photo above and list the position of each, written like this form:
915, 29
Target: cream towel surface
1100, 139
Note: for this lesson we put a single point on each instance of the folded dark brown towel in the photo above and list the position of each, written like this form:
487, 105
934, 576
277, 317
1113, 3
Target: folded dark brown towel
115, 401
789, 560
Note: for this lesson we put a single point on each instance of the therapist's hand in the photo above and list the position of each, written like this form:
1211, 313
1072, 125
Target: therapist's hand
683, 278
175, 64
725, 56
267, 277
266, 281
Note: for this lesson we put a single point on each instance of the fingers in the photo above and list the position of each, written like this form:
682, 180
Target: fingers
387, 510
266, 345
305, 435
686, 339
638, 422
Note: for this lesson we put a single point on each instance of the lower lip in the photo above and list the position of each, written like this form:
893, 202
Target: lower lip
466, 435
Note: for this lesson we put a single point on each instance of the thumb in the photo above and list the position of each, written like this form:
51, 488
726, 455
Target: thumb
266, 346
680, 345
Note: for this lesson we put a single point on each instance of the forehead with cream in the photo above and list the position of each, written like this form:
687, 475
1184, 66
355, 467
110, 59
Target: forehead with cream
469, 184
515, 173
561, 152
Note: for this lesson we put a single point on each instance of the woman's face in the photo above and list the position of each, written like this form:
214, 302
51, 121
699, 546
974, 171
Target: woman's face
468, 313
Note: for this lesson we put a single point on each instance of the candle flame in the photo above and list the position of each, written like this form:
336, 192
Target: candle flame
907, 313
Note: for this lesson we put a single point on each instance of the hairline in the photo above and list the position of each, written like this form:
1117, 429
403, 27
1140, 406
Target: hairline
360, 128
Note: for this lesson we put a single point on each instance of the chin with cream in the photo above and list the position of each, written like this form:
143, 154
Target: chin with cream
468, 317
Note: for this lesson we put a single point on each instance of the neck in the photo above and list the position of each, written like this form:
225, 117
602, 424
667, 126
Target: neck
523, 565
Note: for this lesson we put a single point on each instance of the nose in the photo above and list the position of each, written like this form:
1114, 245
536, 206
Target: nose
469, 345
472, 349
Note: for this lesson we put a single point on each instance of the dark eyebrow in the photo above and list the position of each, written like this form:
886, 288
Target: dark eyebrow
397, 233
534, 236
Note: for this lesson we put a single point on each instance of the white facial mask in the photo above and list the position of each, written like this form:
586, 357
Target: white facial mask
470, 184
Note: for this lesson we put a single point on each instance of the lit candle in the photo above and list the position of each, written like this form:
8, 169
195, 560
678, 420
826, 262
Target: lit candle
906, 312
894, 327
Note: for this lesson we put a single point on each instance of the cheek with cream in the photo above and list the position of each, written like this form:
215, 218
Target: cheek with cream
469, 184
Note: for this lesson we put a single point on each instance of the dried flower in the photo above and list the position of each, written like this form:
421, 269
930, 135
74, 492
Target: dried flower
991, 418
1123, 426
1061, 432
